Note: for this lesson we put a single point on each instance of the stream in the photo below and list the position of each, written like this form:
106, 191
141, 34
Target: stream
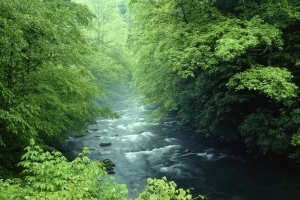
141, 150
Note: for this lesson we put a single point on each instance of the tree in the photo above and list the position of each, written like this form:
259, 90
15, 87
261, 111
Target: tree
111, 64
47, 90
228, 67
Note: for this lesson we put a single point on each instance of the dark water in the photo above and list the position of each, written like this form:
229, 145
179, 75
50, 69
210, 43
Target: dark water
141, 150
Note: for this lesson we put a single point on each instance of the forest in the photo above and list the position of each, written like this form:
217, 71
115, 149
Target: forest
230, 68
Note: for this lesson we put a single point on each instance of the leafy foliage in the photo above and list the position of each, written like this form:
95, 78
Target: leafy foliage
50, 73
230, 68
162, 189
270, 133
48, 175
47, 88
273, 82
111, 63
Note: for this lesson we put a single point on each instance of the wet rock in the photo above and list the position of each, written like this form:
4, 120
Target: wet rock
109, 166
80, 135
108, 162
104, 144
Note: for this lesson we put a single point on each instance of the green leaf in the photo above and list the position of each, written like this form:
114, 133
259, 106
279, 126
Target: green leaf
274, 82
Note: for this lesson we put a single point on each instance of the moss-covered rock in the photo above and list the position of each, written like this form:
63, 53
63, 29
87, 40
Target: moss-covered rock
109, 166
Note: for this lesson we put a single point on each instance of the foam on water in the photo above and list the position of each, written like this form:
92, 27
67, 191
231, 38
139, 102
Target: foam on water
187, 154
136, 124
208, 156
152, 155
109, 137
147, 134
122, 127
105, 152
171, 140
130, 138
125, 116
214, 156
143, 108
107, 120
135, 137
178, 170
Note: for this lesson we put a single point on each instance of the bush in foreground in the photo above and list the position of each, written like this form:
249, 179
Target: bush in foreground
49, 175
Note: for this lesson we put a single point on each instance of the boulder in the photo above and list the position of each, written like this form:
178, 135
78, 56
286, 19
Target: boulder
104, 144
109, 166
108, 162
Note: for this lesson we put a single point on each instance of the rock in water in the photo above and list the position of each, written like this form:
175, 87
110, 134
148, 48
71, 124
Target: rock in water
108, 164
104, 144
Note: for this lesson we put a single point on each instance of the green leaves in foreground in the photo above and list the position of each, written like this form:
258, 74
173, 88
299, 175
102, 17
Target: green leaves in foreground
162, 189
48, 175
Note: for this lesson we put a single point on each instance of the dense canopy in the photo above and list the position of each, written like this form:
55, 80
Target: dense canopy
231, 68
48, 88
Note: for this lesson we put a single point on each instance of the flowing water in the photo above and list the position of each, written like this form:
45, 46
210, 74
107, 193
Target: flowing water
141, 150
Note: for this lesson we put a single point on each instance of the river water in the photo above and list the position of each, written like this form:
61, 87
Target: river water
141, 150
